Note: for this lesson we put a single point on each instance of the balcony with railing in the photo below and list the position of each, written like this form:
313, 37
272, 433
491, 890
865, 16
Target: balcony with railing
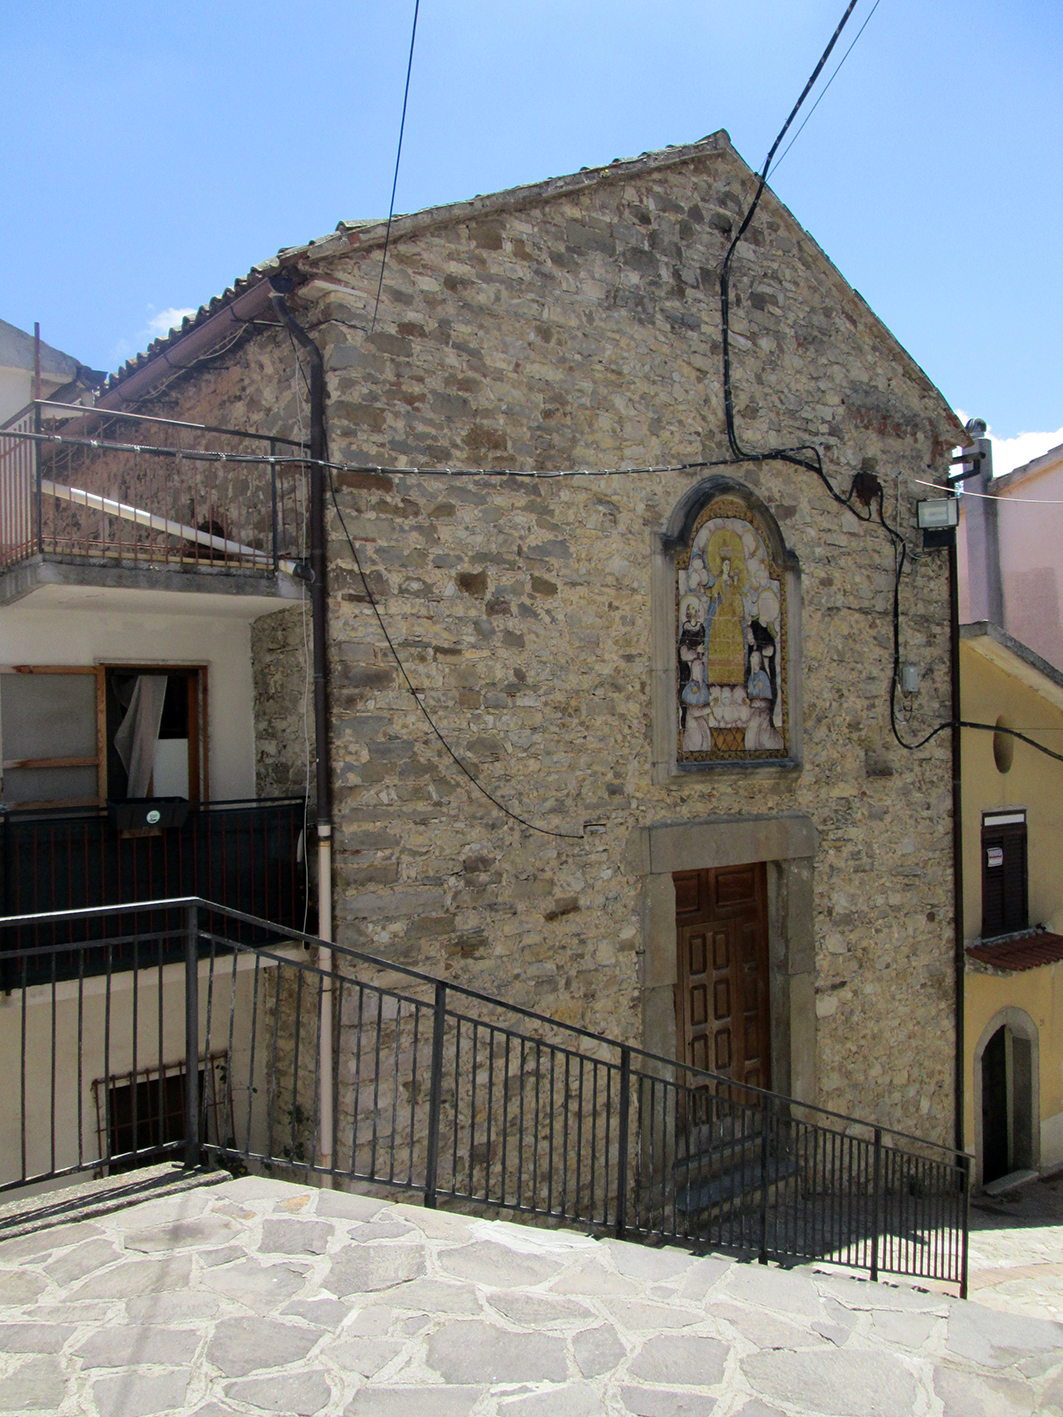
248, 855
93, 490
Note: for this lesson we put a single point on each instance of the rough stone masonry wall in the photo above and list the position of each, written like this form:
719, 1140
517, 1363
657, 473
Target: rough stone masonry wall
584, 330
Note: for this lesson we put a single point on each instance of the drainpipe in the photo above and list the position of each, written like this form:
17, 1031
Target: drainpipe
987, 602
960, 958
319, 607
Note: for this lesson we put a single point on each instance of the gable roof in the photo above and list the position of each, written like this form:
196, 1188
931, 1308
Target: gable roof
1044, 463
248, 297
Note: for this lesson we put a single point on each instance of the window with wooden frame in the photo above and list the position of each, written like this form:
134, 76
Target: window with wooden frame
1004, 873
58, 725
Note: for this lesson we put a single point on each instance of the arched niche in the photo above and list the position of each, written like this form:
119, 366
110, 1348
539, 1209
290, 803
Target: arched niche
1007, 1121
726, 637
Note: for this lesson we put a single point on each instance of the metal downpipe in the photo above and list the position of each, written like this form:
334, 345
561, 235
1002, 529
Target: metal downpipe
959, 955
319, 609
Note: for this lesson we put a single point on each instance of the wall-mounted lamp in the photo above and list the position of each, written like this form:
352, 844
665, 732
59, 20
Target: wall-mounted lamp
938, 518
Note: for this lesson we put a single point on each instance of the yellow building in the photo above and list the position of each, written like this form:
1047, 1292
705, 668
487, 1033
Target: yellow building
1013, 907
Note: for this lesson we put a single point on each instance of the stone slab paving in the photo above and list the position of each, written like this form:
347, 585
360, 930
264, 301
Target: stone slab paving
1016, 1249
259, 1297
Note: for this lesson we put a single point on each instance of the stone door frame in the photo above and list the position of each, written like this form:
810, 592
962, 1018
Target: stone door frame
787, 844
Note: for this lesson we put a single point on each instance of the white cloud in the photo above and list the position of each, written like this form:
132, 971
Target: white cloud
165, 321
1010, 453
158, 324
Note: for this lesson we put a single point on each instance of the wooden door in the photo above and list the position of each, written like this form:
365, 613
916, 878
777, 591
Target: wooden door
722, 1004
996, 1153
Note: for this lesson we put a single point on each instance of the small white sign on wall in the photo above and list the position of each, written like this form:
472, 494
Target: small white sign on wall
994, 856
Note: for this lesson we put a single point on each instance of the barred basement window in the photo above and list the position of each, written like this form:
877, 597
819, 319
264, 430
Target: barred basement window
1004, 874
140, 1119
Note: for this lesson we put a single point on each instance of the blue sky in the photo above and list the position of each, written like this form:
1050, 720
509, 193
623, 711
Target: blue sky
153, 153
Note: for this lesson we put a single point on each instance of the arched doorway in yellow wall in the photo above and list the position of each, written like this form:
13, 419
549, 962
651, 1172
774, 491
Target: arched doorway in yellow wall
1007, 1096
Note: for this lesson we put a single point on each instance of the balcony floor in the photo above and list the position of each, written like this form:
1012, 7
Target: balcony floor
258, 1296
71, 583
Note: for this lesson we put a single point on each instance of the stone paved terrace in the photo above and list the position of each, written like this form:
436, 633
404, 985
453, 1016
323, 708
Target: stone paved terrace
257, 1296
1016, 1250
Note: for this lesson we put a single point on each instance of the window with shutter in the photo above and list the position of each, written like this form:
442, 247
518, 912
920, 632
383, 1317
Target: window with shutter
1004, 878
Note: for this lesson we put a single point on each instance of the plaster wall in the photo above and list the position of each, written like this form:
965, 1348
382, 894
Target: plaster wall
1038, 993
1033, 782
1029, 556
16, 390
111, 1053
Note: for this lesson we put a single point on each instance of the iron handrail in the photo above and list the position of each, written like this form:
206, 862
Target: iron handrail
85, 411
509, 1117
389, 966
26, 814
71, 488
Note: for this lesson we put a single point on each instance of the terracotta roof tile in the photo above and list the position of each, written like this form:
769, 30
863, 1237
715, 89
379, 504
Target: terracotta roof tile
1027, 951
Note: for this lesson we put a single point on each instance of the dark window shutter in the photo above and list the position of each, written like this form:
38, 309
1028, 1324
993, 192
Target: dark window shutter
1004, 885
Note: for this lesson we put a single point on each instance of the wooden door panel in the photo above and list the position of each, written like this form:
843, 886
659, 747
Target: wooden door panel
722, 1009
687, 893
698, 954
736, 887
699, 1010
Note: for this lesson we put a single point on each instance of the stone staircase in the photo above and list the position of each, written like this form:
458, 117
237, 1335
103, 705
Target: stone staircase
726, 1171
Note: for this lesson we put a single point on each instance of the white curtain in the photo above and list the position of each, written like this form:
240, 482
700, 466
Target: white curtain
139, 733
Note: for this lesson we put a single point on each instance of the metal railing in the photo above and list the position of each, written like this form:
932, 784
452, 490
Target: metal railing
445, 1091
154, 501
18, 481
248, 854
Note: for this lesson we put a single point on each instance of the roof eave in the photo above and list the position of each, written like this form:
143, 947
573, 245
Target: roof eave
1013, 657
173, 354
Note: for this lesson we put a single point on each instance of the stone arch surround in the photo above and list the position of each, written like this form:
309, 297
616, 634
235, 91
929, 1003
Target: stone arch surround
1023, 1027
684, 515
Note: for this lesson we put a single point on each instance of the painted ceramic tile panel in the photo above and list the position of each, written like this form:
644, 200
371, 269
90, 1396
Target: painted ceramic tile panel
731, 640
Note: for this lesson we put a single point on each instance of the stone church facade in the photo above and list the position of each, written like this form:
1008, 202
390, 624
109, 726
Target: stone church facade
681, 676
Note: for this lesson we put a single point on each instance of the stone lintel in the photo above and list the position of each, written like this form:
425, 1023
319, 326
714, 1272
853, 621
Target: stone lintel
721, 841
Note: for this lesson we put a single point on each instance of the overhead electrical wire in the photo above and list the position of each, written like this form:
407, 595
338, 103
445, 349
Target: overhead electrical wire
398, 158
545, 831
788, 455
302, 460
823, 91
997, 496
295, 459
